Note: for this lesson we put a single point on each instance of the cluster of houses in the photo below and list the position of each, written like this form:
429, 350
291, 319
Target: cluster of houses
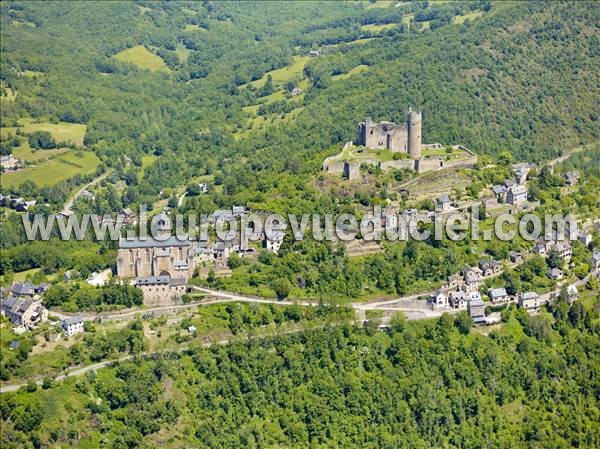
16, 203
513, 191
21, 303
462, 293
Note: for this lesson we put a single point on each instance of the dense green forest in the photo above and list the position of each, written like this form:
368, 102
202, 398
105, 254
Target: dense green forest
531, 384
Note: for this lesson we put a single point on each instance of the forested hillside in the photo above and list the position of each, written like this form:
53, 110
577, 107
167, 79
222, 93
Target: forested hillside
516, 76
532, 384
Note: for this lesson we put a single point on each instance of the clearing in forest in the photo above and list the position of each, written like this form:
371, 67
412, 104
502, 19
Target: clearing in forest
61, 131
375, 28
142, 58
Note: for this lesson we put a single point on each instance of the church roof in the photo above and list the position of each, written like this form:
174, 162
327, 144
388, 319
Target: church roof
151, 242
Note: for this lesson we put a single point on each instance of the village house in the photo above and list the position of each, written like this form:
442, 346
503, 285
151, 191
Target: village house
596, 260
72, 326
572, 293
460, 299
472, 278
515, 257
521, 175
65, 214
24, 206
571, 177
516, 194
127, 216
489, 267
9, 161
23, 312
87, 195
555, 274
530, 301
564, 249
500, 192
585, 237
313, 53
499, 296
22, 289
443, 203
542, 246
273, 244
439, 299
476, 308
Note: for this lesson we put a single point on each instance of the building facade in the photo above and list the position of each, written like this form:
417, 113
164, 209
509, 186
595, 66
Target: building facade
153, 257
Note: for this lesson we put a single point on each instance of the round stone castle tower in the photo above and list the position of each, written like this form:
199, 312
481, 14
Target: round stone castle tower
413, 121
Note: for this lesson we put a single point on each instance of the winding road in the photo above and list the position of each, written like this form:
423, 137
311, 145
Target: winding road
69, 204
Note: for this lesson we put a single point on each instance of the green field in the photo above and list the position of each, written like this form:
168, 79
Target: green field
380, 4
182, 53
142, 58
25, 153
55, 170
61, 131
193, 27
470, 16
284, 74
353, 71
147, 161
374, 28
31, 73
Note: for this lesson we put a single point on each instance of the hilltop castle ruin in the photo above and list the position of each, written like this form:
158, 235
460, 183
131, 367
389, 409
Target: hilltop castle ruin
405, 138
404, 141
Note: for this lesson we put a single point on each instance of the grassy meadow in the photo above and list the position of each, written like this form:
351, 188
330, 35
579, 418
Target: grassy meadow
61, 131
143, 59
58, 169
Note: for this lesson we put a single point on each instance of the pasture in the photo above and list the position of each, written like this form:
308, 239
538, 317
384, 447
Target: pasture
376, 28
53, 171
61, 131
142, 58
25, 153
471, 16
353, 71
147, 161
189, 27
284, 74
182, 53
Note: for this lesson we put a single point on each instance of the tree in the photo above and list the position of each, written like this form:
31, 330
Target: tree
282, 288
41, 140
539, 327
463, 322
577, 314
398, 322
554, 259
234, 261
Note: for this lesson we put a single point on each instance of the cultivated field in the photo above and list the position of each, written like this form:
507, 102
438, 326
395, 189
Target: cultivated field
142, 58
